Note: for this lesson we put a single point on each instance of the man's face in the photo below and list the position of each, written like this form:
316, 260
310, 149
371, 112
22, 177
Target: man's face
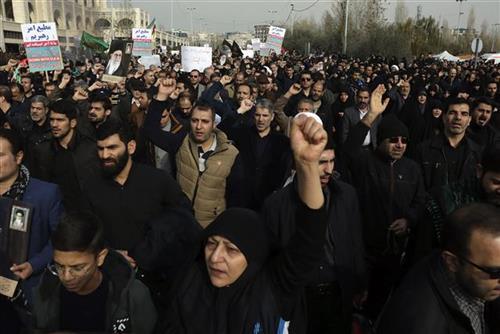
143, 99
452, 73
17, 95
369, 71
306, 81
263, 118
490, 182
492, 89
317, 91
263, 87
326, 166
78, 271
202, 125
27, 85
457, 119
225, 262
363, 98
38, 112
405, 88
116, 56
49, 90
113, 154
484, 251
243, 92
97, 114
304, 107
482, 114
194, 77
289, 71
149, 78
60, 125
240, 78
185, 106
393, 147
9, 163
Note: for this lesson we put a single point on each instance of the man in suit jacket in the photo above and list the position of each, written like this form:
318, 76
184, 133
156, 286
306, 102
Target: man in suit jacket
354, 114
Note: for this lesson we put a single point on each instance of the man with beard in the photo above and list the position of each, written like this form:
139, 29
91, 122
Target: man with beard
444, 200
208, 167
481, 131
450, 156
69, 158
99, 111
391, 196
129, 194
114, 64
354, 114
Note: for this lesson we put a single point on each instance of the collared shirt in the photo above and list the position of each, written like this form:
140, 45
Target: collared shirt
472, 308
368, 138
203, 156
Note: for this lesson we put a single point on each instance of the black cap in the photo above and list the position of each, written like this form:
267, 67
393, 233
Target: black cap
390, 127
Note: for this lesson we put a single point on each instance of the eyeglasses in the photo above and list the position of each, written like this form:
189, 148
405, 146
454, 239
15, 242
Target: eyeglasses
494, 273
395, 140
305, 79
193, 76
78, 271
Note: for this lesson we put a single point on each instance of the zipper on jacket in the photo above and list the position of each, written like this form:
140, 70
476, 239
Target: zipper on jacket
196, 187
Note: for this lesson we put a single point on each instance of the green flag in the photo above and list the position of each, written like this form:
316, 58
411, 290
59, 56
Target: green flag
93, 42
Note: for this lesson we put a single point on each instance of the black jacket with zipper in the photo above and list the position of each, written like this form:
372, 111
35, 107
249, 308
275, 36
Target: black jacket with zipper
128, 307
387, 190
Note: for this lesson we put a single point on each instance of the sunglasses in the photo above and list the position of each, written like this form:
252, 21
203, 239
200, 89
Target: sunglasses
395, 140
305, 79
494, 273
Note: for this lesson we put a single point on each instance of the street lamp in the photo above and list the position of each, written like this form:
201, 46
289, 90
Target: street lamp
460, 13
191, 9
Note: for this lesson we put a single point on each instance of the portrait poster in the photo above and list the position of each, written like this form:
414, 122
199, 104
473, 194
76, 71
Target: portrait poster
120, 52
42, 46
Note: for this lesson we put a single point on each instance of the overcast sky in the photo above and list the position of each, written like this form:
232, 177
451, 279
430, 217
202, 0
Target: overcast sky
241, 15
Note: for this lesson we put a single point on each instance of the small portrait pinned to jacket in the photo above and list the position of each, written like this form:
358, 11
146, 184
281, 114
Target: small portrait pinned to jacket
19, 218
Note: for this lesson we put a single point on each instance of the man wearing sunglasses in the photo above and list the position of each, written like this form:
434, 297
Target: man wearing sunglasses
89, 288
197, 87
391, 195
454, 290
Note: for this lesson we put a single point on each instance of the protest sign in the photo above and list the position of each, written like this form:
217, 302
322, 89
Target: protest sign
147, 61
195, 58
275, 38
247, 53
42, 46
143, 45
256, 44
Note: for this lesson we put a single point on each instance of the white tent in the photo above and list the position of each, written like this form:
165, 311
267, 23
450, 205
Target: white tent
445, 55
495, 57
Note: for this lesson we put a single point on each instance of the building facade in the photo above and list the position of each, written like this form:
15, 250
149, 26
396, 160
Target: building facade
72, 17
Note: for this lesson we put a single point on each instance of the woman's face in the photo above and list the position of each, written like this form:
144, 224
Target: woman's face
343, 96
436, 112
225, 262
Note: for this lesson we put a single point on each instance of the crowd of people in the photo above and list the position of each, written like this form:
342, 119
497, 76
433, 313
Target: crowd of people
274, 194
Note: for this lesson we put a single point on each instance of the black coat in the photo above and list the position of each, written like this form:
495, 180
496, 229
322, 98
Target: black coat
432, 159
372, 176
424, 304
343, 231
85, 165
125, 209
263, 298
263, 173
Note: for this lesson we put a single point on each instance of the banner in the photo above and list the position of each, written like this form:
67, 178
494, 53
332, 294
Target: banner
195, 58
248, 53
275, 38
42, 46
143, 42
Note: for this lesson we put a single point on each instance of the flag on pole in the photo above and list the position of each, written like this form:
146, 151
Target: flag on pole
93, 42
